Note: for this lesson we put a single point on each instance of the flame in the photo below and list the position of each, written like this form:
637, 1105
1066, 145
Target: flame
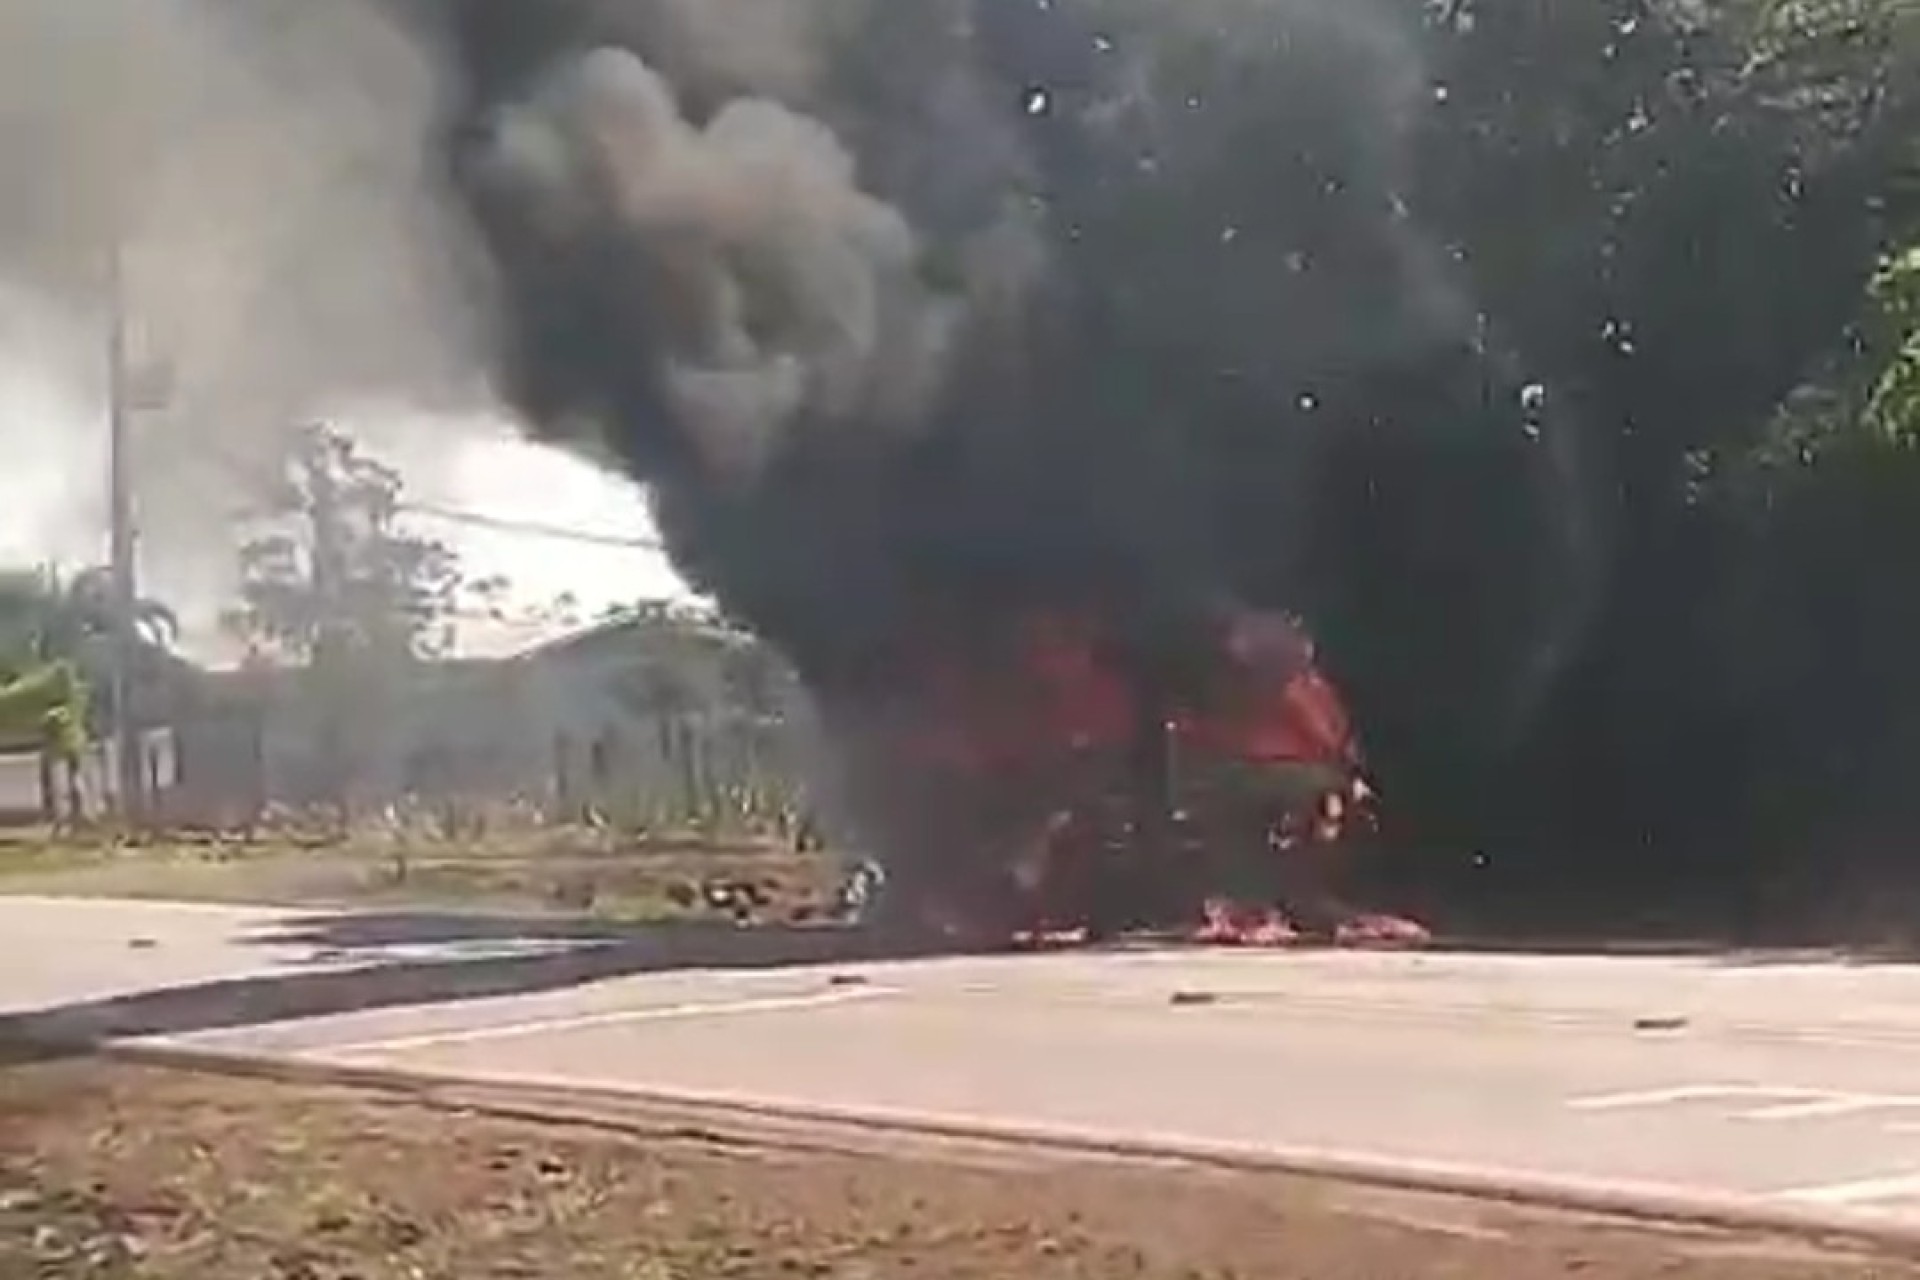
1057, 696
1062, 713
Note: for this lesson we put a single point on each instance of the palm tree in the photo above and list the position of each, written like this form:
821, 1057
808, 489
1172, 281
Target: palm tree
44, 709
56, 642
41, 614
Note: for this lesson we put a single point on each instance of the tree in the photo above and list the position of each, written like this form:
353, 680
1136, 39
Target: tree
1611, 172
42, 614
44, 709
331, 575
56, 651
332, 584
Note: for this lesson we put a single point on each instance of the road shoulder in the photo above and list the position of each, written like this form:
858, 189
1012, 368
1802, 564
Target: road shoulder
178, 1173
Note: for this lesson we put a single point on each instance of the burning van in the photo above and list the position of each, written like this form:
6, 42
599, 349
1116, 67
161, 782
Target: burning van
1052, 785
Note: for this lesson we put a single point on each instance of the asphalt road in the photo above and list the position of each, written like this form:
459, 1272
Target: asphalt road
1779, 1080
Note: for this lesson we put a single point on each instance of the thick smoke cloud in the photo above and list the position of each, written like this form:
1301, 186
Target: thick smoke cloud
913, 312
770, 288
910, 312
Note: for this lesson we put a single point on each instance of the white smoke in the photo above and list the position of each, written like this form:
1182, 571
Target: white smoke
261, 169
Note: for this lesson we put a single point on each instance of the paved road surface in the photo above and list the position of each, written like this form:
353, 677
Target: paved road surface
1790, 1082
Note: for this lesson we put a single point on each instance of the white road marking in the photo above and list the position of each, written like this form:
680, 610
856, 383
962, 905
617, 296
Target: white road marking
1782, 1102
1838, 1104
27, 903
654, 1013
1686, 1093
1860, 1191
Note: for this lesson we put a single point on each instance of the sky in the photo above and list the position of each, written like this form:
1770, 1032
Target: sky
503, 477
254, 190
52, 511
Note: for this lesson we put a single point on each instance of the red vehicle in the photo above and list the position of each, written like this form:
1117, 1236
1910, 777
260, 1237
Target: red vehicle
1030, 766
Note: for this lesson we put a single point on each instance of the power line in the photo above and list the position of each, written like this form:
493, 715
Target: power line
533, 528
505, 524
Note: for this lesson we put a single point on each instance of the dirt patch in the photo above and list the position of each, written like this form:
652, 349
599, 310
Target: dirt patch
114, 1172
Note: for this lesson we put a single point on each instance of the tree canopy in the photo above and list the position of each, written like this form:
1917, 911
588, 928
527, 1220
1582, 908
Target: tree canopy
1691, 230
327, 570
56, 640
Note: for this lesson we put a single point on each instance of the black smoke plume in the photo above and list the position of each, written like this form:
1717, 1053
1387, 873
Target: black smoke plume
918, 314
926, 309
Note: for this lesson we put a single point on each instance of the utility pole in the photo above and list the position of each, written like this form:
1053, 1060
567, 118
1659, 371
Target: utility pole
129, 755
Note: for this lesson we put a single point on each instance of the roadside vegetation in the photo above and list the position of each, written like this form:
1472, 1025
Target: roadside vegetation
575, 870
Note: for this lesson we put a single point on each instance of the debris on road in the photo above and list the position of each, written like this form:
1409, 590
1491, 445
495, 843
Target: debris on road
1661, 1023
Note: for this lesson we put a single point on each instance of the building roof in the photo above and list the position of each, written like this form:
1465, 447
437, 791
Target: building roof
628, 632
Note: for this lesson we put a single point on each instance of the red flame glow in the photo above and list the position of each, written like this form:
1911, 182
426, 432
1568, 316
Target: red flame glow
1062, 718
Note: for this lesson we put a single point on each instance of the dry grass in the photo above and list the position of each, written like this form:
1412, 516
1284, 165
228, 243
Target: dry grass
114, 1172
583, 872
